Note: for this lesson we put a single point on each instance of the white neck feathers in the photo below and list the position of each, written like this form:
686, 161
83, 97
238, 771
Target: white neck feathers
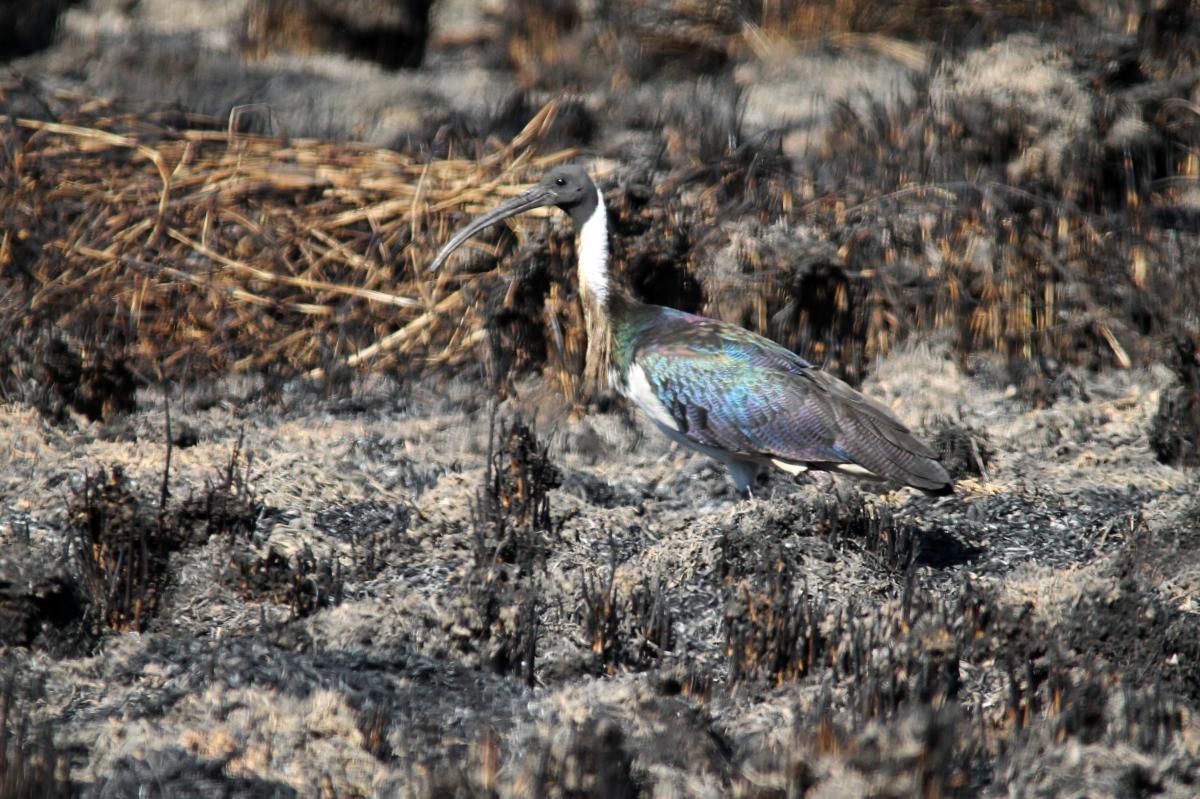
593, 252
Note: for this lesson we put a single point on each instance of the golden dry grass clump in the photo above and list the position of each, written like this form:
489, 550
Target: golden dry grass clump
203, 251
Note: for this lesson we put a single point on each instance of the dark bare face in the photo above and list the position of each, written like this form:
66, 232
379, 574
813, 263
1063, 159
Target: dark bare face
573, 191
566, 187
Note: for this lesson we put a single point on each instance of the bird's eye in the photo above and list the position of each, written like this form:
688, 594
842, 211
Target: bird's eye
560, 181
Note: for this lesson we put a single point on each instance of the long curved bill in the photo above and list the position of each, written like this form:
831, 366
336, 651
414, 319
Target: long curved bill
537, 197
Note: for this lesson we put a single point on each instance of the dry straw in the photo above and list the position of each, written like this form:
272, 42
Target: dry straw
203, 251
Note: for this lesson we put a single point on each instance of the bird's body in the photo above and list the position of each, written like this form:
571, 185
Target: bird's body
735, 396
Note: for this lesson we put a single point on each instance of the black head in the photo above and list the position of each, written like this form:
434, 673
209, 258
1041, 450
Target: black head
566, 187
572, 190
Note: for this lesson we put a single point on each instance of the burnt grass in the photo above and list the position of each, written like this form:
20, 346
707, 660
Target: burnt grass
496, 629
472, 572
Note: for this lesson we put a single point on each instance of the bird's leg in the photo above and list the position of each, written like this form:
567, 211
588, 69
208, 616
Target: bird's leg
746, 489
746, 475
757, 487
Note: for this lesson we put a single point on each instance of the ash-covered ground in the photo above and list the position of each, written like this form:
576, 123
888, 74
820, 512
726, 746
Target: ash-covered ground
420, 584
361, 605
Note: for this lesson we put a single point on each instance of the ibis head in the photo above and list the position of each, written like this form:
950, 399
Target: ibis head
567, 187
717, 388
